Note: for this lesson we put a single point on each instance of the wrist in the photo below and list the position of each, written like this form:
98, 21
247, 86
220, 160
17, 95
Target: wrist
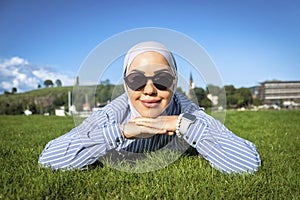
178, 122
122, 130
183, 123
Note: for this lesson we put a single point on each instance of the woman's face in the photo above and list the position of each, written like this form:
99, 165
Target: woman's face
150, 101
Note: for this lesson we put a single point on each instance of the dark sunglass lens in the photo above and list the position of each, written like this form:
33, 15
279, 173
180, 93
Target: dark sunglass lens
136, 81
163, 81
160, 87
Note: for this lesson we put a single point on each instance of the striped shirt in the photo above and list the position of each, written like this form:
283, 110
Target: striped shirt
100, 133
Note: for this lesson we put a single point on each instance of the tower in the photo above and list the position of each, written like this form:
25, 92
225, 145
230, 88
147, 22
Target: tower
76, 80
192, 84
191, 87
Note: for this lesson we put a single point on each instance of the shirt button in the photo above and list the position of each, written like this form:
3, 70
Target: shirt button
111, 144
194, 142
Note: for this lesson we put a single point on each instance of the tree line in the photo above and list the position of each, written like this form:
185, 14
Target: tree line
228, 95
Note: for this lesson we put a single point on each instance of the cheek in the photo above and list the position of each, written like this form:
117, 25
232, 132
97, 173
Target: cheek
133, 95
166, 96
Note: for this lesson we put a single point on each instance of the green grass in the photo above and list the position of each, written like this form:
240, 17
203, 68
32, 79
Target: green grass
275, 133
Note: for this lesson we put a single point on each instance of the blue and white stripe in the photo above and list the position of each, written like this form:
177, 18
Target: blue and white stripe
100, 133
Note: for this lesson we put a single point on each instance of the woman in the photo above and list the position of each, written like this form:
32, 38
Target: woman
149, 115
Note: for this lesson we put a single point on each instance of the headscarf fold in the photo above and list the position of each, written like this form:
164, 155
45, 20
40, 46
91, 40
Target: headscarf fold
150, 46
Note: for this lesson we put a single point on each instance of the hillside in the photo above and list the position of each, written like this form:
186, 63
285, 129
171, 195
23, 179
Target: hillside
38, 101
45, 100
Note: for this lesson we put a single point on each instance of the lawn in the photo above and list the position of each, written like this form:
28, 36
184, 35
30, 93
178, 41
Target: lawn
275, 133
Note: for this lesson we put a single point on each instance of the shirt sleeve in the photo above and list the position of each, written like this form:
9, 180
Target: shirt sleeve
84, 144
223, 149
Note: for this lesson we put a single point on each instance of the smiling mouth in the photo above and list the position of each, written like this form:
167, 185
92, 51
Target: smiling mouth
150, 103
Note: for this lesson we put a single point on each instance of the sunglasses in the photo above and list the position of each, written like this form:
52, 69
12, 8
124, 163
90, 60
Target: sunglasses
137, 81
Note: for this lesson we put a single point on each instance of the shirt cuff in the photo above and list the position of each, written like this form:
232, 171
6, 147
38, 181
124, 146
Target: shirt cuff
199, 137
113, 136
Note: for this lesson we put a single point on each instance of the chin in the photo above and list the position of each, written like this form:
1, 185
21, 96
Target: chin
150, 113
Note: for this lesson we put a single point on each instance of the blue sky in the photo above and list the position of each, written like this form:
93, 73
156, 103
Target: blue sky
249, 41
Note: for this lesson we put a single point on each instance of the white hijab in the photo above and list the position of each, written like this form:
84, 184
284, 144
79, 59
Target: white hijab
146, 47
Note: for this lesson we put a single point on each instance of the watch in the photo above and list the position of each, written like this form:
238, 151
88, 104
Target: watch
186, 120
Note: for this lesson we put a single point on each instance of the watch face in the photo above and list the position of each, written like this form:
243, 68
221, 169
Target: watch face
189, 116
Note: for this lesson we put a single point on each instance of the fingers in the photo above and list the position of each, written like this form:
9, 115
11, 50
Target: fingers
161, 122
132, 130
158, 123
148, 124
150, 130
142, 120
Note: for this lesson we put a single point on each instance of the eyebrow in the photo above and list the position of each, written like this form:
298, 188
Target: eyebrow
156, 72
138, 71
162, 70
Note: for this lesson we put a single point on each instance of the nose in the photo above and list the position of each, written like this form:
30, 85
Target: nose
150, 89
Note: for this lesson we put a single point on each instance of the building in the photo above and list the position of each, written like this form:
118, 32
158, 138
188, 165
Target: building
283, 93
214, 99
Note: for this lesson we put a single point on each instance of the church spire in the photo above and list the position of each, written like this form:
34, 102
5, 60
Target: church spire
192, 85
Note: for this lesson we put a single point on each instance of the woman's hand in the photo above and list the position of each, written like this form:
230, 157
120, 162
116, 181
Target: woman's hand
133, 131
142, 127
167, 123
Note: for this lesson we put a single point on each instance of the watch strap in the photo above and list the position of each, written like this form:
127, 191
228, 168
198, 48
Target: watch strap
186, 120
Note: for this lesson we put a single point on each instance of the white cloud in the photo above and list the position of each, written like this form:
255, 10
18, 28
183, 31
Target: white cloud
18, 72
6, 84
43, 74
13, 61
17, 61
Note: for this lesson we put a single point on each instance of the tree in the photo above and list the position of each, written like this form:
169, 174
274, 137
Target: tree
106, 82
237, 98
203, 101
200, 93
213, 89
256, 102
231, 98
206, 103
246, 95
14, 90
6, 92
105, 94
48, 83
230, 89
61, 100
218, 92
179, 89
232, 101
58, 83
